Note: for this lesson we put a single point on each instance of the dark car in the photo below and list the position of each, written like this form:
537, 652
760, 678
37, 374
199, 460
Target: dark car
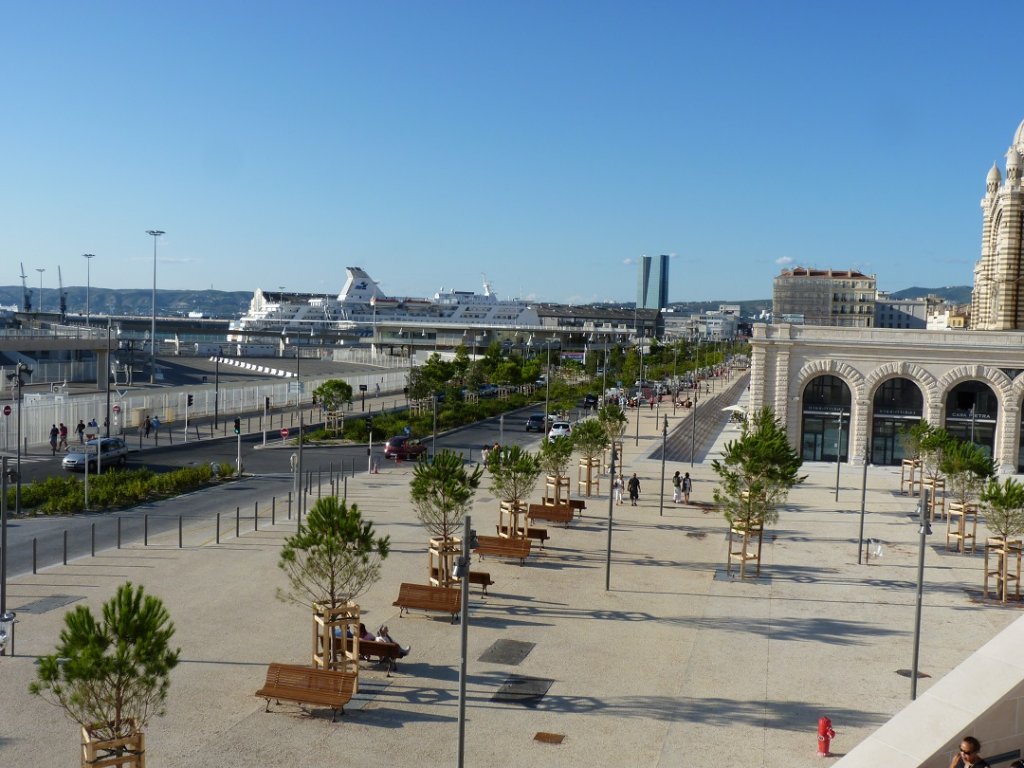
404, 448
590, 401
535, 422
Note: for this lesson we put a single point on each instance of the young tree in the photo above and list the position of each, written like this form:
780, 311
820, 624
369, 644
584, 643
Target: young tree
112, 676
590, 438
1004, 508
756, 473
911, 438
333, 394
514, 473
932, 449
555, 456
333, 558
614, 421
442, 492
966, 468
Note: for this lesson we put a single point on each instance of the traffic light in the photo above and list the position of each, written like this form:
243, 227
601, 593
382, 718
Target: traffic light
189, 401
238, 426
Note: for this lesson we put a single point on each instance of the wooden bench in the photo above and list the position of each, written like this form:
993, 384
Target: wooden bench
576, 505
561, 514
385, 653
428, 598
517, 549
483, 578
307, 685
532, 532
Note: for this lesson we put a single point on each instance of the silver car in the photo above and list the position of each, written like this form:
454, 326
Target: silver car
112, 451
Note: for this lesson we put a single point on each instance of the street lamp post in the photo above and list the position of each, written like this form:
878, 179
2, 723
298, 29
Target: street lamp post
16, 378
664, 444
39, 304
547, 385
88, 262
611, 502
693, 420
925, 529
462, 573
154, 233
839, 450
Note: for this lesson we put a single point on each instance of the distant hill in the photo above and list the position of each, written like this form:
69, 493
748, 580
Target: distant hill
135, 301
955, 294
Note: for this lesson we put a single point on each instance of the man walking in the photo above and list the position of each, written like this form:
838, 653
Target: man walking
677, 488
80, 429
634, 489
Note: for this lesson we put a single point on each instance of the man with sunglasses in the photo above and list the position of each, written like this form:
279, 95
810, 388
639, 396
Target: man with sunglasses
969, 755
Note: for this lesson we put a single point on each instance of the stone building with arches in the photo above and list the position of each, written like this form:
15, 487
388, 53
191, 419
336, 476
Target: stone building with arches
854, 389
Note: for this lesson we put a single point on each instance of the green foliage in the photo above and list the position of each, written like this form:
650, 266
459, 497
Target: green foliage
442, 492
590, 437
333, 394
932, 449
613, 419
115, 489
555, 455
1004, 508
333, 558
514, 473
111, 677
966, 468
756, 472
912, 436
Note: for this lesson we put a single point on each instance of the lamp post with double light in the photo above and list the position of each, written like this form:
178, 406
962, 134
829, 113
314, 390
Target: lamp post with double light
20, 370
154, 233
88, 280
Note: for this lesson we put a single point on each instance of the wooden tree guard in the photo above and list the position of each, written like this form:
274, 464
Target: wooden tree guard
589, 479
509, 526
956, 525
126, 752
909, 469
554, 487
998, 552
938, 503
743, 554
334, 421
328, 654
442, 555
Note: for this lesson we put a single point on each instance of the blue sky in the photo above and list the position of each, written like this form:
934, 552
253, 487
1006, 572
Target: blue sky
547, 145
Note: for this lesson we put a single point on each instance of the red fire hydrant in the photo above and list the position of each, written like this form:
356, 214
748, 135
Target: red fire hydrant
825, 736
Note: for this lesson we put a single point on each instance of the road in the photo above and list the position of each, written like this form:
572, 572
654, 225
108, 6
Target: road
246, 503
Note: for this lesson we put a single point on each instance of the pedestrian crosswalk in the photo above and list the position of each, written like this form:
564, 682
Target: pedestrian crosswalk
29, 458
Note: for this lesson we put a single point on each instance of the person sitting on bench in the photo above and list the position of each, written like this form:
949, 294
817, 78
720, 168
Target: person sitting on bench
384, 636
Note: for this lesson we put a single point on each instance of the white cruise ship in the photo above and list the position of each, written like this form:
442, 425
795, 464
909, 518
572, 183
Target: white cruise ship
361, 304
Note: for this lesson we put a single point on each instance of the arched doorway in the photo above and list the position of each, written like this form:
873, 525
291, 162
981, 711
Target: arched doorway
826, 419
897, 403
971, 412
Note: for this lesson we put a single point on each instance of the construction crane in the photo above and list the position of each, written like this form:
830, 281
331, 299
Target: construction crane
63, 298
26, 294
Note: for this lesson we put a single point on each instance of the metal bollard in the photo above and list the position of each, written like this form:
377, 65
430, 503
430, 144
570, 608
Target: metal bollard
65, 546
33, 555
218, 529
119, 533
344, 496
289, 505
179, 531
255, 515
238, 521
273, 510
92, 539
145, 530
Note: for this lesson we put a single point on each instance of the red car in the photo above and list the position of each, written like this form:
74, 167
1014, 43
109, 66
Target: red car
404, 448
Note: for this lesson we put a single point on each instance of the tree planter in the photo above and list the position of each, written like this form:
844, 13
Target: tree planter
589, 480
509, 520
125, 752
999, 553
328, 654
744, 552
441, 556
557, 487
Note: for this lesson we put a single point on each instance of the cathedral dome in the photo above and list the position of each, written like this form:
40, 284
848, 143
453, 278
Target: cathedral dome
994, 177
1018, 138
1012, 160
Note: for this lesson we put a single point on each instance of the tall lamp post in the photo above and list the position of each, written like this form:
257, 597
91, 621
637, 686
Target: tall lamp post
16, 377
611, 502
88, 262
925, 529
839, 450
664, 443
154, 233
547, 385
39, 304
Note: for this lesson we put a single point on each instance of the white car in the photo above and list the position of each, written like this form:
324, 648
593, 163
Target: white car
113, 451
559, 429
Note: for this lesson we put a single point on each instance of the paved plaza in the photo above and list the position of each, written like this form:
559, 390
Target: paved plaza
675, 664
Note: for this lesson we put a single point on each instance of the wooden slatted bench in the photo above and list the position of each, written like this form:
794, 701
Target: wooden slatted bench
576, 505
307, 685
428, 598
496, 546
385, 653
532, 532
560, 514
483, 578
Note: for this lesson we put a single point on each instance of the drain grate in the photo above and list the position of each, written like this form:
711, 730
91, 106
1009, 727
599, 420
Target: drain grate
527, 691
511, 652
46, 604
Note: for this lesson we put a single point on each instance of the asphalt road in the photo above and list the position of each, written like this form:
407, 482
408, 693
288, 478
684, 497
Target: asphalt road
46, 539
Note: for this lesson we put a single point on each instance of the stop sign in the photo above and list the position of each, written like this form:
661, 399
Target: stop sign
117, 409
284, 433
7, 410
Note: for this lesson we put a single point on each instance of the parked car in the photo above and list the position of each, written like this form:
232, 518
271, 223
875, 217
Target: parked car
535, 422
113, 450
559, 429
404, 448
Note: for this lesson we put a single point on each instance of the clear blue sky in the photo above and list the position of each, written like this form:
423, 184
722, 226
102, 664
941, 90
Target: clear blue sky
545, 144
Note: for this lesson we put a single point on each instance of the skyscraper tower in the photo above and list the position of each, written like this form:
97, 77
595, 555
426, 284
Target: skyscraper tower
652, 283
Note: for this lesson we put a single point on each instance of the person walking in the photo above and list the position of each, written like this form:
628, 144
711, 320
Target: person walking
147, 425
677, 488
617, 488
80, 429
634, 489
969, 755
63, 444
54, 434
687, 486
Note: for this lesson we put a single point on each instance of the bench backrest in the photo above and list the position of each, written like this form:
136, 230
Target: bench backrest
428, 593
499, 544
294, 676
